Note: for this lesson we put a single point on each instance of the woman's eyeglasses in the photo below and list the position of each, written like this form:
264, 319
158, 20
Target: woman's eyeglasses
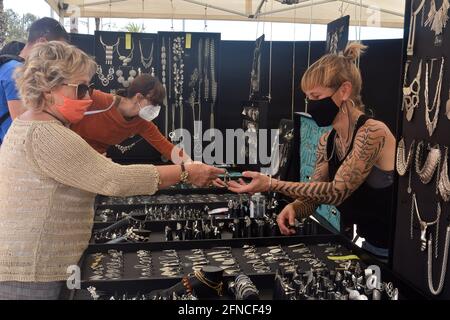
81, 89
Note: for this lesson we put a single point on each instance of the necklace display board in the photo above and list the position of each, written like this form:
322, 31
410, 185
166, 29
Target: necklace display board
189, 72
422, 235
121, 56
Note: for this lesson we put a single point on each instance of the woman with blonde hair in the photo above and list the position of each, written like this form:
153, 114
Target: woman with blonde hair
49, 175
355, 161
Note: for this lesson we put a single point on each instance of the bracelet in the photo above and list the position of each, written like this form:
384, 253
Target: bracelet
270, 183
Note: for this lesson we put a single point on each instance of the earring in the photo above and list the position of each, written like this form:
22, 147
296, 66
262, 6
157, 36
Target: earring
343, 108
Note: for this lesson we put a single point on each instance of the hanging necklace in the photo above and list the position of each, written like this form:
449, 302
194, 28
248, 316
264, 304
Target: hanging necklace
437, 19
213, 82
126, 59
105, 79
431, 124
443, 266
126, 148
431, 163
205, 70
146, 62
424, 225
411, 92
402, 164
121, 79
193, 101
412, 27
163, 79
109, 49
444, 183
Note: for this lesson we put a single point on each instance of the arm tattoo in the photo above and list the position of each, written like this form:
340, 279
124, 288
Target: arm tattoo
369, 142
305, 207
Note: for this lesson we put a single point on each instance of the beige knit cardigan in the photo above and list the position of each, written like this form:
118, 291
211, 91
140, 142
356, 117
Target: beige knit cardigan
49, 177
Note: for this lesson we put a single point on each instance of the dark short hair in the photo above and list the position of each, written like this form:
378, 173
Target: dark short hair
47, 28
13, 48
150, 87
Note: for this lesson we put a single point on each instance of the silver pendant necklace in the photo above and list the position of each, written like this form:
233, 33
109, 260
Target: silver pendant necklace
444, 182
121, 79
126, 59
412, 27
432, 162
109, 50
146, 62
443, 266
432, 124
105, 79
411, 97
437, 19
424, 225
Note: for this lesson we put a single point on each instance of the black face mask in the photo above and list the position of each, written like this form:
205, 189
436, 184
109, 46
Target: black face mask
323, 111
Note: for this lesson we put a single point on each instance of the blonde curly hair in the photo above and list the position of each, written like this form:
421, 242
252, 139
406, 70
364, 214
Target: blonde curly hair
332, 70
48, 66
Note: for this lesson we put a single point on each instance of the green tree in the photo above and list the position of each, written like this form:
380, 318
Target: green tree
134, 27
2, 25
17, 25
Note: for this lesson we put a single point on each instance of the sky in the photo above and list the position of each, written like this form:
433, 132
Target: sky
232, 30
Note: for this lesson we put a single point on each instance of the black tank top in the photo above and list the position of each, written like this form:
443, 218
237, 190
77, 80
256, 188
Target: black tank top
367, 207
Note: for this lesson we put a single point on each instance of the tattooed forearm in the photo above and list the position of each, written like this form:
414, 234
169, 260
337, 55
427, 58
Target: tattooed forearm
304, 208
369, 143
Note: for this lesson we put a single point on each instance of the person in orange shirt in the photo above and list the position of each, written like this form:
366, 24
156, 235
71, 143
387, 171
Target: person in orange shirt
112, 119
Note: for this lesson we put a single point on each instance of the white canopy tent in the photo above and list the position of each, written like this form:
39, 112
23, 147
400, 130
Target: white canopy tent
379, 13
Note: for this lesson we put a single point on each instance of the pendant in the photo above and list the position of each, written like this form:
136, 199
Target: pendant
409, 114
423, 236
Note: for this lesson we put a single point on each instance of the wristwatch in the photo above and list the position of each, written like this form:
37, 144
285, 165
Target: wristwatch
184, 174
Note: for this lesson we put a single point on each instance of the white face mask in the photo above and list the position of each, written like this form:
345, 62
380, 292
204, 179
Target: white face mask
149, 112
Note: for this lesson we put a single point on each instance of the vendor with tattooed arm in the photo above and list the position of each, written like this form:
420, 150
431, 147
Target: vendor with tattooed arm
355, 161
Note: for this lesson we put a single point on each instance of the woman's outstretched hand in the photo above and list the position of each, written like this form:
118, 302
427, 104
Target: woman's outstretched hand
259, 183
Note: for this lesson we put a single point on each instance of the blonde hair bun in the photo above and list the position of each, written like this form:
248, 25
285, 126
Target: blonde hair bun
354, 50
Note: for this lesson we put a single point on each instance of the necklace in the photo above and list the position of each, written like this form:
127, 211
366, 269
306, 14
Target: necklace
424, 225
443, 266
109, 49
105, 79
412, 27
411, 93
431, 124
218, 287
126, 59
121, 79
437, 19
124, 149
444, 183
402, 164
178, 73
146, 62
431, 163
213, 81
193, 101
163, 79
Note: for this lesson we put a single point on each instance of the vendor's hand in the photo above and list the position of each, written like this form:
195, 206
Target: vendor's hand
259, 183
202, 175
285, 219
219, 183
